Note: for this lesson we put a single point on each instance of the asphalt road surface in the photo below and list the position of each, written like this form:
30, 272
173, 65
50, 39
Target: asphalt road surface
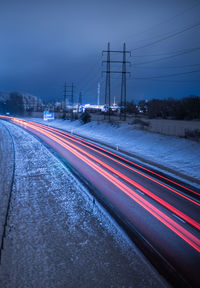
164, 213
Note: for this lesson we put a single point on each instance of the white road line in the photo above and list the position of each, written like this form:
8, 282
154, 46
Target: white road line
178, 218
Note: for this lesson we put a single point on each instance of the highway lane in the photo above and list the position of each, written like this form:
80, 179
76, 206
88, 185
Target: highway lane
167, 217
141, 181
151, 172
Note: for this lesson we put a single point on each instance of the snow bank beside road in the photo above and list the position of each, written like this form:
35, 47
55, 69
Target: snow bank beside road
56, 238
6, 173
176, 153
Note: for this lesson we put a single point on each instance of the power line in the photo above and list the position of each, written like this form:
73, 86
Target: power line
90, 83
177, 81
169, 19
167, 37
162, 54
170, 66
90, 80
171, 56
168, 75
91, 70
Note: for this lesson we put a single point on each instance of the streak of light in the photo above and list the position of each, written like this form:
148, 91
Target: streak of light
166, 220
77, 140
135, 184
162, 217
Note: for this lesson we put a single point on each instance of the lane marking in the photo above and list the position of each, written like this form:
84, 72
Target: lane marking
178, 218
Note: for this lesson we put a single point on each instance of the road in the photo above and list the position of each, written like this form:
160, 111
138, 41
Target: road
162, 213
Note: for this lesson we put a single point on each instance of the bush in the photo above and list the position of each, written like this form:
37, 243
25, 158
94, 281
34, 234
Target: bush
85, 118
64, 116
131, 108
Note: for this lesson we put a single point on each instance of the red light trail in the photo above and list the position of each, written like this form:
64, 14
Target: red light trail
98, 147
75, 139
90, 160
138, 186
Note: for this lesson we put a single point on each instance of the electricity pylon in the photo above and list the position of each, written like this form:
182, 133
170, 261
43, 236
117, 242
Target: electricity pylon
123, 81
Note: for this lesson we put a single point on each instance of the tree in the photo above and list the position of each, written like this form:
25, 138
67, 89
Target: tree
15, 104
85, 117
131, 107
186, 108
142, 105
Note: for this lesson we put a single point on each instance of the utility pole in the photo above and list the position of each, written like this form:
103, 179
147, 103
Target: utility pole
123, 72
98, 94
65, 96
69, 98
80, 98
69, 94
72, 95
114, 103
123, 83
107, 88
79, 101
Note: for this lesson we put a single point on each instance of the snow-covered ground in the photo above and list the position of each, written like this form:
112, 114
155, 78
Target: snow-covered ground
6, 172
179, 154
56, 236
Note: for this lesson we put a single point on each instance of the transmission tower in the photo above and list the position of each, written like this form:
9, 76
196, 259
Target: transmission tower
80, 98
68, 95
98, 94
107, 88
123, 72
65, 96
79, 101
72, 95
123, 83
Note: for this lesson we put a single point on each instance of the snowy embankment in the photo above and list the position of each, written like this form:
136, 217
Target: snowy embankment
6, 173
56, 235
179, 154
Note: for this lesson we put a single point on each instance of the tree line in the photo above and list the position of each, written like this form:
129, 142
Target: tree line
16, 103
187, 108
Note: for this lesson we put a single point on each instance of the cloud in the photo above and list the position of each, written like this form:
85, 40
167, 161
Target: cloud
44, 43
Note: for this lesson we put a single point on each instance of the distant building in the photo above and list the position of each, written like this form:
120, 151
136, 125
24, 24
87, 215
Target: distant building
94, 108
100, 108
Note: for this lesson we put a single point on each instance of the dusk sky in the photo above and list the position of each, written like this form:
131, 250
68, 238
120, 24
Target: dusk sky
43, 43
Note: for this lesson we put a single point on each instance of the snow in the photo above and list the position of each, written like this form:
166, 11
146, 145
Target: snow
178, 154
57, 237
6, 172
